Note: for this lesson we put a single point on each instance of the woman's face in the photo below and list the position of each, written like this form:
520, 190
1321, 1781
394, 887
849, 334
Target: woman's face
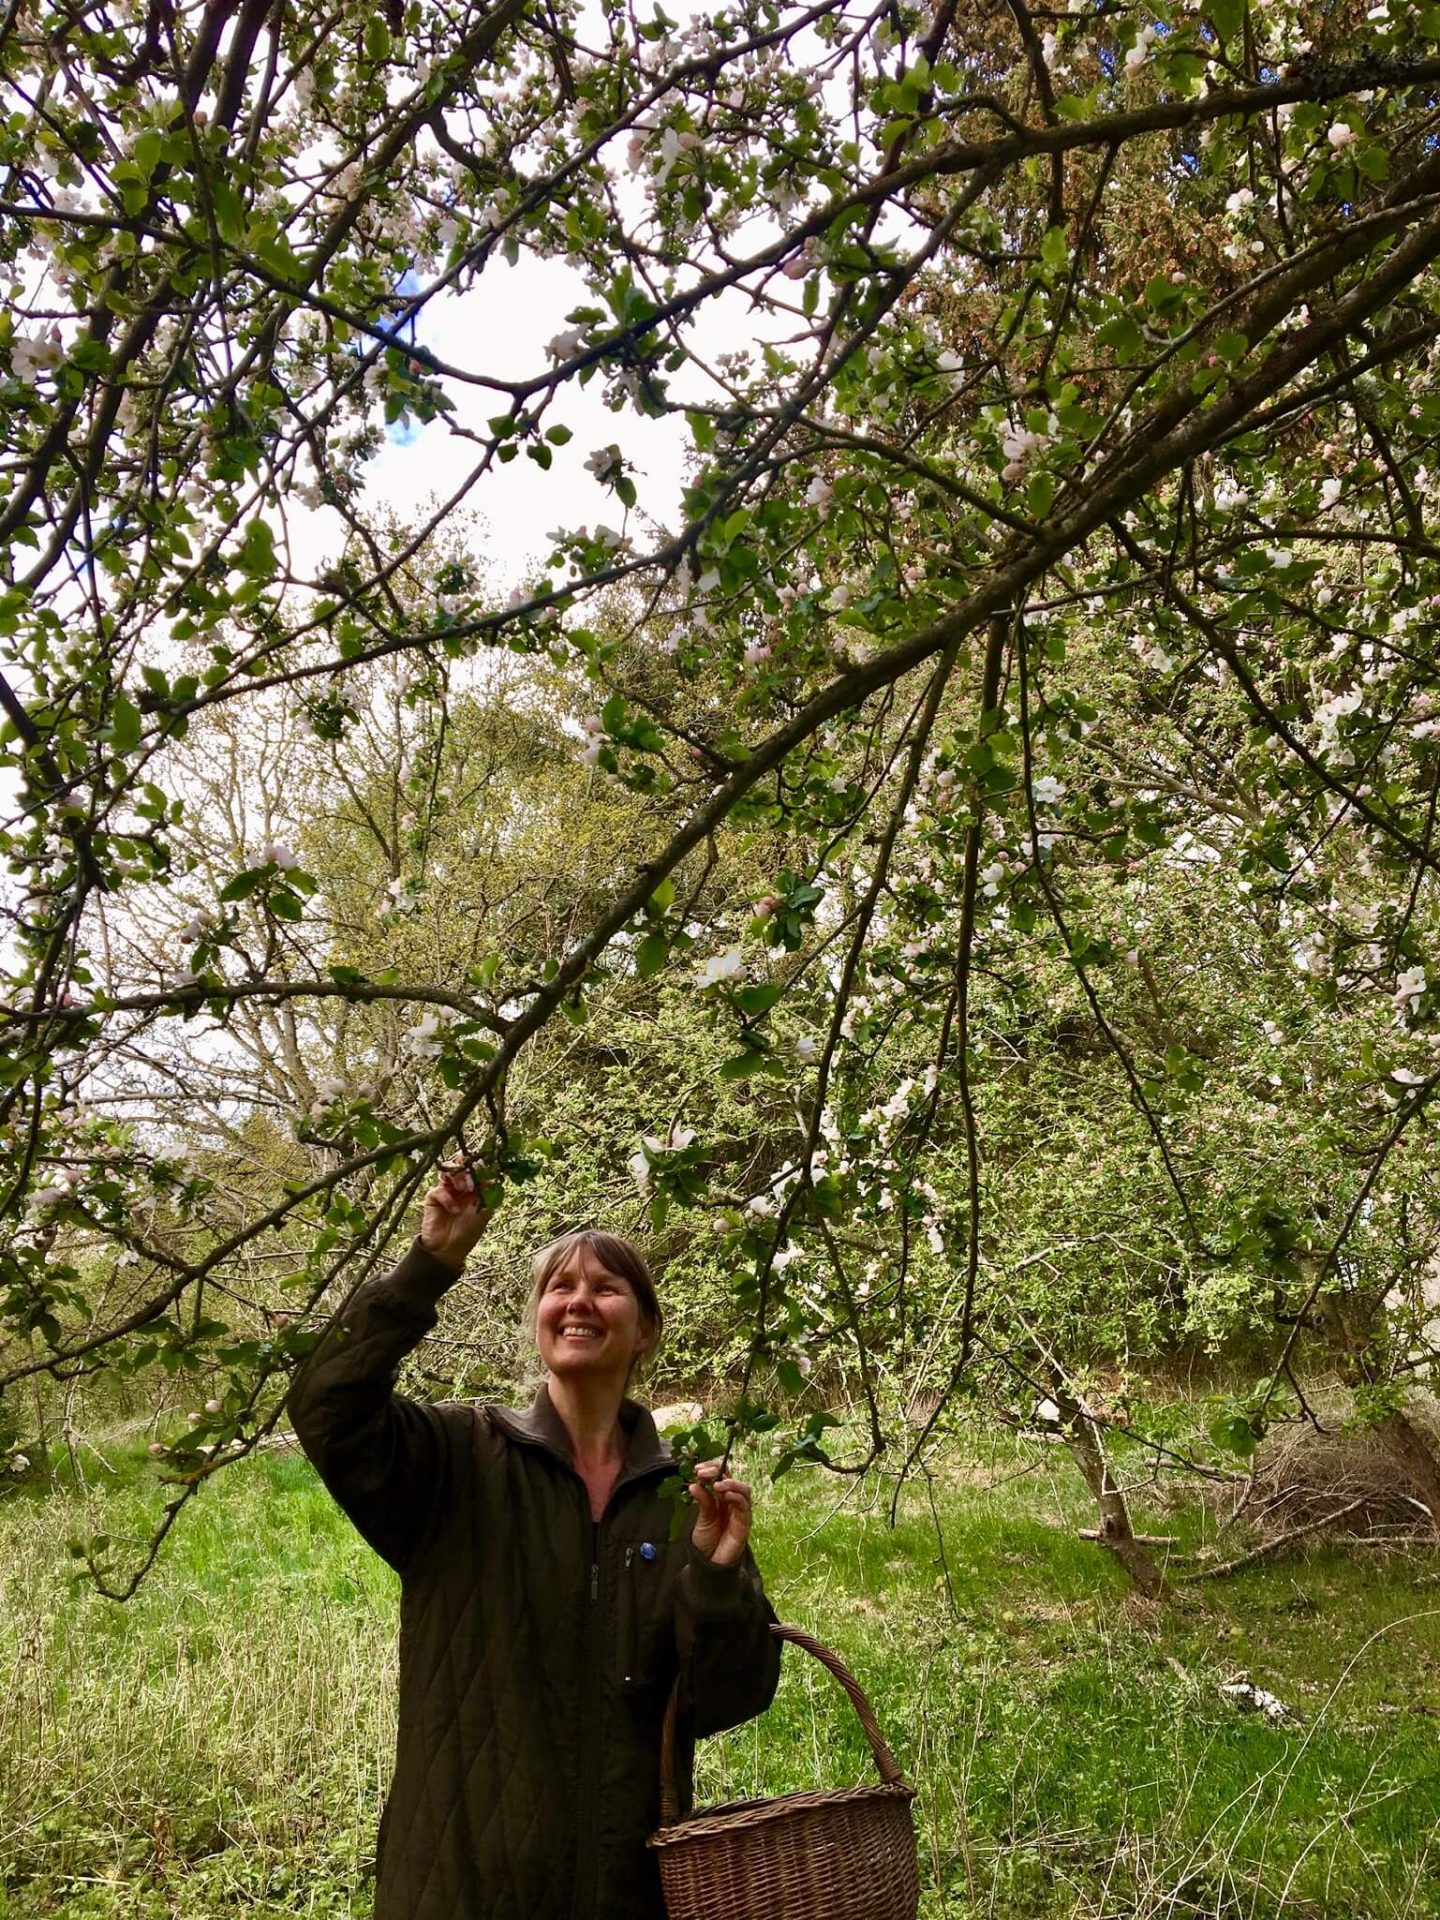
588, 1323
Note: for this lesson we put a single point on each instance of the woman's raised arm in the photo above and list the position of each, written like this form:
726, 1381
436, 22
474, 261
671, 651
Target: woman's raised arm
385, 1458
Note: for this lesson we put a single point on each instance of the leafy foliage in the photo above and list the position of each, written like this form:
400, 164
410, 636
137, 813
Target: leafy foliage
1012, 787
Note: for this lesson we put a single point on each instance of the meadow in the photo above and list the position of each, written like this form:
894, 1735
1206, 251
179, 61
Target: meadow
219, 1744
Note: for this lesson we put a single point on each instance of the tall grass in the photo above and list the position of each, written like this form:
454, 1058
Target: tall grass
220, 1743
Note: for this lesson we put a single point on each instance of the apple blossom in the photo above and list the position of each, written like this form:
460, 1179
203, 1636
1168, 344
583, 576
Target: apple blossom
606, 463
720, 967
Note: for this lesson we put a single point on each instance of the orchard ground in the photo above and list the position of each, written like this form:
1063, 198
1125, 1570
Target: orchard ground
219, 1745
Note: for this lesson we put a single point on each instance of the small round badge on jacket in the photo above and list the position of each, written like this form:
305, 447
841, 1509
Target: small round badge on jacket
647, 1550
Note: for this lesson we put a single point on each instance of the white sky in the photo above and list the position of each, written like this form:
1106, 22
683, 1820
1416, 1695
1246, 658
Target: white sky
500, 327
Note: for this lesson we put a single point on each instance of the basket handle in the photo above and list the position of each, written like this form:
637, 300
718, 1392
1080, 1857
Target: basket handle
886, 1764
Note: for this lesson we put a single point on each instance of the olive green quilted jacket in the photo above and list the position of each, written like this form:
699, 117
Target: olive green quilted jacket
537, 1647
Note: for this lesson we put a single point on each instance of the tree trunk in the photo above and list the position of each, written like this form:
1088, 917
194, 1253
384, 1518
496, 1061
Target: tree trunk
1356, 1334
1116, 1534
1413, 1450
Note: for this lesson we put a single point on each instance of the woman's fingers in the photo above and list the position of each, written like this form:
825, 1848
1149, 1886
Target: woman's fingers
454, 1191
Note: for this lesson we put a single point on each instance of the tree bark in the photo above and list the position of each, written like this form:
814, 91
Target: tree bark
1416, 1456
1356, 1334
1115, 1533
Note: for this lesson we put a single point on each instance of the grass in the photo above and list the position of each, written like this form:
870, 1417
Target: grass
219, 1745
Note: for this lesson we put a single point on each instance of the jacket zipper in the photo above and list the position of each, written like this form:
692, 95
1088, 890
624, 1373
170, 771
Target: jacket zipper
631, 1645
586, 1863
583, 1904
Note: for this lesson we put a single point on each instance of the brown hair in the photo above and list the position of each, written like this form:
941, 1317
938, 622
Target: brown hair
617, 1256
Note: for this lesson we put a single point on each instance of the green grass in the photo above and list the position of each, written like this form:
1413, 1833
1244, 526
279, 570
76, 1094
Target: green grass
219, 1744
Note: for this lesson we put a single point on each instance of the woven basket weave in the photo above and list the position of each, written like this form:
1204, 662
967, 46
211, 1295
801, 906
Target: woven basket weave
846, 1854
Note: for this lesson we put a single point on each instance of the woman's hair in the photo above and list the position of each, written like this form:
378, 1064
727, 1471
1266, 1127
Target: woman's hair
617, 1256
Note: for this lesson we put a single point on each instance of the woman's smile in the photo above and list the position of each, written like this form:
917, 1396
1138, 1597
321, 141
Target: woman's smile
586, 1307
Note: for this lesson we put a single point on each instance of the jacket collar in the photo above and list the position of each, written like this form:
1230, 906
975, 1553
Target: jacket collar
540, 1425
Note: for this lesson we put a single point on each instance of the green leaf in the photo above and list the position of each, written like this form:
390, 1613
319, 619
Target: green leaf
147, 150
229, 211
1235, 1433
286, 905
1227, 17
756, 1000
741, 1066
1055, 250
243, 885
124, 724
651, 954
256, 553
1123, 335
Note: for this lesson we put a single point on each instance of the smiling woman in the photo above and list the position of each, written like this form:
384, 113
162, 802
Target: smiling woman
546, 1613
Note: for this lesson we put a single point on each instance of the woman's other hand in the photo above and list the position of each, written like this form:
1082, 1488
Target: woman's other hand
722, 1527
453, 1219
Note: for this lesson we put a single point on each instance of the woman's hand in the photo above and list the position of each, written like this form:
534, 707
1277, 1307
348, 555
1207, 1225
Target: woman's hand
722, 1527
453, 1219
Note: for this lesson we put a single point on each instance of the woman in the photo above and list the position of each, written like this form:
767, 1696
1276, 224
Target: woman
545, 1611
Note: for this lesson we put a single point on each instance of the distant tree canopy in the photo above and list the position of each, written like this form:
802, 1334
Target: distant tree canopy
969, 866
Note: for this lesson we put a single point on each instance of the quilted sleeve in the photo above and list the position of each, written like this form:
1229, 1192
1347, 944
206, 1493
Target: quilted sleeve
729, 1661
383, 1457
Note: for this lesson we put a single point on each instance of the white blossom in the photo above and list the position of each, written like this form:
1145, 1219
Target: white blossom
426, 1038
606, 463
728, 965
1140, 52
32, 355
1409, 990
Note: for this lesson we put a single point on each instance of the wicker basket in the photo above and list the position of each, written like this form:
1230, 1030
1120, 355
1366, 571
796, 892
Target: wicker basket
847, 1854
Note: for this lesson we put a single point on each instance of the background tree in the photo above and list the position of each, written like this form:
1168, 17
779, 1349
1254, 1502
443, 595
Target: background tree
1054, 560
